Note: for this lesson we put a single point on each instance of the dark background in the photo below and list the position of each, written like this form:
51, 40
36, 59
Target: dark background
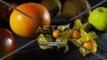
33, 52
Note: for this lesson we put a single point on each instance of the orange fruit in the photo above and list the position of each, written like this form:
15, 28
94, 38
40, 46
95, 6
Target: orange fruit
88, 45
56, 33
25, 26
75, 34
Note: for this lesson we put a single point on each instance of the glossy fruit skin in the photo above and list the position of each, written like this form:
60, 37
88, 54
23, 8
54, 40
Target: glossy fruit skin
98, 18
75, 34
26, 27
7, 43
56, 33
88, 45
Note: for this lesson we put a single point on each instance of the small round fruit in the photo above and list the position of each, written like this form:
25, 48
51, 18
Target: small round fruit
25, 26
7, 43
88, 45
98, 18
75, 34
56, 33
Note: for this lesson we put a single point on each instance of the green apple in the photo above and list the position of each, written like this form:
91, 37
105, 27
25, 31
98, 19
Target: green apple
98, 18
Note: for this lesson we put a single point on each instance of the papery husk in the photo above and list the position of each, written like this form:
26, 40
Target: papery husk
85, 52
63, 27
77, 26
62, 39
91, 36
43, 38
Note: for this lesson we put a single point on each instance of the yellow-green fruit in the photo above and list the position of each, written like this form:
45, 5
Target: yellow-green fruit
98, 18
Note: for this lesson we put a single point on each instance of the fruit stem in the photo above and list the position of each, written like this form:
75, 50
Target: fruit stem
101, 10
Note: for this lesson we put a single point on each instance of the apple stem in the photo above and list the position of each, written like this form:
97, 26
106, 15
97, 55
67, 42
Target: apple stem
101, 10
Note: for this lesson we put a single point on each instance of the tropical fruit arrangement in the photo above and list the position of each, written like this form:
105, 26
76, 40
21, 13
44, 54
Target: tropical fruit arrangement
34, 20
78, 33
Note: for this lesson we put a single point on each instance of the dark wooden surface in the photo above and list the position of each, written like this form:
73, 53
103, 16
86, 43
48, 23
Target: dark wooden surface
33, 52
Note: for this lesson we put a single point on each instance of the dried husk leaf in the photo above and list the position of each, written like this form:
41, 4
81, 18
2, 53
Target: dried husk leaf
91, 36
63, 27
42, 38
62, 39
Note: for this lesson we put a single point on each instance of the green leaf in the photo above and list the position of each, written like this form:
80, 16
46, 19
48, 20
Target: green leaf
84, 35
66, 49
94, 49
83, 51
42, 38
62, 39
49, 38
93, 35
80, 41
58, 40
77, 24
63, 27
46, 47
66, 34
